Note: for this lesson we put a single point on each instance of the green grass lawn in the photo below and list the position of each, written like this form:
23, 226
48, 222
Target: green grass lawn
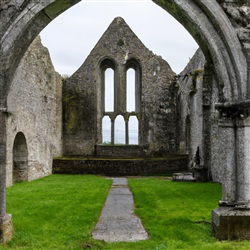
60, 211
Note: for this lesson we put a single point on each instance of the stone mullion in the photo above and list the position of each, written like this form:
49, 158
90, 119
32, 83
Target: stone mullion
137, 90
127, 132
123, 89
112, 131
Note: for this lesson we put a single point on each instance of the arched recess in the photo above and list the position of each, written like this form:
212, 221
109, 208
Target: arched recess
205, 20
20, 158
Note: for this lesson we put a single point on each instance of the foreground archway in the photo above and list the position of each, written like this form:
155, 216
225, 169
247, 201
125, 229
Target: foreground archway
205, 20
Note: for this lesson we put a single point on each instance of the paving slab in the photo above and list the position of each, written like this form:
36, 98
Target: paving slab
117, 222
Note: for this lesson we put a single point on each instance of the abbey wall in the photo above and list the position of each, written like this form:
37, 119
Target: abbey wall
34, 110
199, 121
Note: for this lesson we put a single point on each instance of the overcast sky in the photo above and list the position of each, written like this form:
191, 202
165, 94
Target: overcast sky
72, 35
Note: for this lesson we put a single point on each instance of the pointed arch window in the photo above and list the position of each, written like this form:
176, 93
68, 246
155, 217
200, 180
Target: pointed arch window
133, 130
133, 86
120, 102
109, 90
120, 137
130, 90
106, 130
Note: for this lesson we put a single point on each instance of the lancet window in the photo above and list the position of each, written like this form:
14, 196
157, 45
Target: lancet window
120, 90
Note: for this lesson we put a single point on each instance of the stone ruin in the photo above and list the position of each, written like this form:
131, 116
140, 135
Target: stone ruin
65, 115
34, 117
198, 119
155, 98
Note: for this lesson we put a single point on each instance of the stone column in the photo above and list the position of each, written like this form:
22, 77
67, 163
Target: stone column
227, 158
6, 227
243, 161
231, 220
126, 132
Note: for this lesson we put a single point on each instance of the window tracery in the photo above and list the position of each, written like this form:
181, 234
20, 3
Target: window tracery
120, 90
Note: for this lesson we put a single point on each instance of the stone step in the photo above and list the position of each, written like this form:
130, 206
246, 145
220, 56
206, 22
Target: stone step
121, 166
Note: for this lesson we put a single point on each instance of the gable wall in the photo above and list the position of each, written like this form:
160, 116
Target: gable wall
82, 95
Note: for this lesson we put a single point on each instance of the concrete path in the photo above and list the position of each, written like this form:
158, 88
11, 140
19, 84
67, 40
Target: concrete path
118, 223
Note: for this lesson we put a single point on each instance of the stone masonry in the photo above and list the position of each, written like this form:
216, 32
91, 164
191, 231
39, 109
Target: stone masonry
83, 95
213, 126
34, 108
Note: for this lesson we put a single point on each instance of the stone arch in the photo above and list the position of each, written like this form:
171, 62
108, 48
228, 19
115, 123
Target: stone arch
205, 20
20, 158
106, 63
210, 27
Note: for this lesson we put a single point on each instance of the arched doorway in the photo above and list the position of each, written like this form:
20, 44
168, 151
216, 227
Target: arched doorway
20, 158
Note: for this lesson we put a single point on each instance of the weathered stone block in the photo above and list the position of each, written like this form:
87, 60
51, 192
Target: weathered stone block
6, 228
230, 223
187, 177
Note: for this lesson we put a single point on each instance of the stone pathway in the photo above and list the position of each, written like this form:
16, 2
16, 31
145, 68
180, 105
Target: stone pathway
118, 223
